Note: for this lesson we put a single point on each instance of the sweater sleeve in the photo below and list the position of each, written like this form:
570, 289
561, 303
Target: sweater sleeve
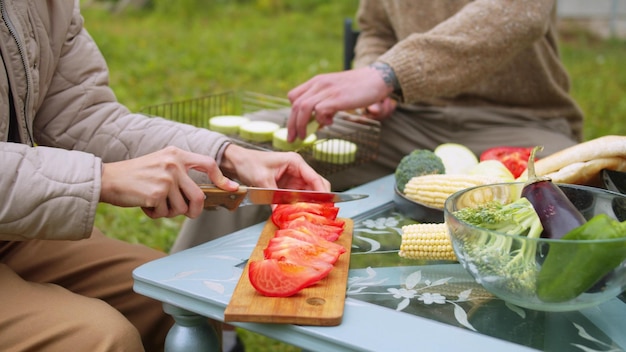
478, 40
376, 32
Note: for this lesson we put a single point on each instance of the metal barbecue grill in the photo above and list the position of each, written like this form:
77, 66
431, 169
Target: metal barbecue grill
354, 128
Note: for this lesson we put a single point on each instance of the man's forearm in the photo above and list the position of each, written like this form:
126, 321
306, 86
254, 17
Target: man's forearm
389, 77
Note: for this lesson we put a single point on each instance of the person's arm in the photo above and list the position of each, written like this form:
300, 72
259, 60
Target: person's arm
47, 193
160, 184
120, 158
476, 42
462, 50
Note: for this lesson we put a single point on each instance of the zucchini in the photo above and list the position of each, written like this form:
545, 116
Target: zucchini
335, 151
279, 141
258, 131
227, 124
456, 158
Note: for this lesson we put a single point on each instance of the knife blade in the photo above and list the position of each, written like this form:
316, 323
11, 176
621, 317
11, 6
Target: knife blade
254, 195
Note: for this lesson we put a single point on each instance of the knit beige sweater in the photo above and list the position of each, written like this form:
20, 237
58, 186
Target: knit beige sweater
471, 53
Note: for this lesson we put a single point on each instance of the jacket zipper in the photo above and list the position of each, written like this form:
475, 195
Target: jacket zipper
20, 48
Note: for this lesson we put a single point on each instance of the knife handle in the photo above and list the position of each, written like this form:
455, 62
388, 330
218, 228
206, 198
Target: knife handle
218, 197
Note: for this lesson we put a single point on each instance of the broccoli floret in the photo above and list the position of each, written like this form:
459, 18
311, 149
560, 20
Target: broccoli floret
503, 256
418, 162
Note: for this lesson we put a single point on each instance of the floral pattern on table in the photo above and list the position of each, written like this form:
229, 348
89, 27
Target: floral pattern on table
445, 292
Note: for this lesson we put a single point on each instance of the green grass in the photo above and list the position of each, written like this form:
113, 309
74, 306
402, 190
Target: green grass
598, 80
268, 47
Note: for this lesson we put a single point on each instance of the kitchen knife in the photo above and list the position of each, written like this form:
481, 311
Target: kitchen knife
254, 195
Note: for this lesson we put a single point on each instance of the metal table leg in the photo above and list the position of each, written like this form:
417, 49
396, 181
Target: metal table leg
190, 332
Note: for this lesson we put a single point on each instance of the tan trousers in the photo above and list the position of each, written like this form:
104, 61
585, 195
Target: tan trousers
77, 296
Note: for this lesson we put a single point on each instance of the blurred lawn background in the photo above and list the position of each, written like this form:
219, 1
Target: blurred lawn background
174, 50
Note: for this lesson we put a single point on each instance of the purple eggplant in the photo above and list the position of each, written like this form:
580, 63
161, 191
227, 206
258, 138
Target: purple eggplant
557, 213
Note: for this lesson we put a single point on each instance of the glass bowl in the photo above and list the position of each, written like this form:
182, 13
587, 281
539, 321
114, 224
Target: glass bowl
491, 257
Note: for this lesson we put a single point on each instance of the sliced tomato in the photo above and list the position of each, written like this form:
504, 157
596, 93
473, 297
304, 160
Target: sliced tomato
283, 212
328, 232
310, 217
286, 247
311, 238
276, 278
328, 210
514, 158
302, 257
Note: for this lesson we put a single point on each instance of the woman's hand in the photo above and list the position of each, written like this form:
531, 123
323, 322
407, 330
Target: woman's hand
324, 95
159, 183
271, 169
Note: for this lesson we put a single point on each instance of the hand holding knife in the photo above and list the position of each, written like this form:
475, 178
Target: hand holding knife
254, 195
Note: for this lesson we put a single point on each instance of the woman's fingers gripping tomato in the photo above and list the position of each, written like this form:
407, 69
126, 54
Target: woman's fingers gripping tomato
276, 278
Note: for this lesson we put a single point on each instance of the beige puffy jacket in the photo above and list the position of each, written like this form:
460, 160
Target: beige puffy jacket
69, 123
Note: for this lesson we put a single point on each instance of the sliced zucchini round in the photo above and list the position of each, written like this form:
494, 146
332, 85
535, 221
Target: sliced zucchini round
335, 151
258, 131
279, 141
227, 124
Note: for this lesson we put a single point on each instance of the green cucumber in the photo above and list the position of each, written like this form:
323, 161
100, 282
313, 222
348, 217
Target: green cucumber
258, 131
227, 124
335, 151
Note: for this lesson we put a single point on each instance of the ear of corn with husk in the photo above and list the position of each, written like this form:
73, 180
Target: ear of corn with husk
433, 190
426, 242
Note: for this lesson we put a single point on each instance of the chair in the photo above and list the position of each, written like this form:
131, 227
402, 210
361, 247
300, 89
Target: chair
350, 36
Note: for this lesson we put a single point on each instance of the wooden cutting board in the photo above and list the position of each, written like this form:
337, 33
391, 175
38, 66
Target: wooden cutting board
321, 304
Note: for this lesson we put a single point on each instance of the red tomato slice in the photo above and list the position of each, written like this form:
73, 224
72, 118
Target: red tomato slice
283, 212
514, 158
328, 210
275, 278
310, 217
311, 238
328, 232
286, 247
302, 257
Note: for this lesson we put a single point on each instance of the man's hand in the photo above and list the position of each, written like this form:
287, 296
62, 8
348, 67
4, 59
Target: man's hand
324, 95
159, 183
382, 110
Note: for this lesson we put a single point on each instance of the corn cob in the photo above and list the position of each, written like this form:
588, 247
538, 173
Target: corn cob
433, 190
427, 242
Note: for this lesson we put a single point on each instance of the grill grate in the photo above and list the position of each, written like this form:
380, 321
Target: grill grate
363, 132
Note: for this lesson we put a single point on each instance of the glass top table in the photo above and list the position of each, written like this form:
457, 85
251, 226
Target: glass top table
392, 303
